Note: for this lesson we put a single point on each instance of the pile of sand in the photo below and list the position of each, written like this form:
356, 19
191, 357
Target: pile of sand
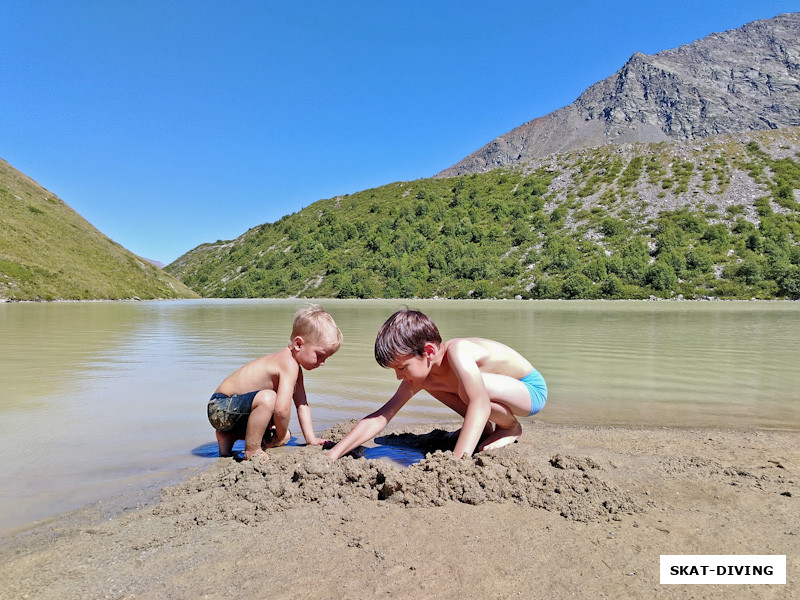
572, 487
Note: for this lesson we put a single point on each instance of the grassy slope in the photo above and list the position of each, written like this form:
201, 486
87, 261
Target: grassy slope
48, 251
711, 218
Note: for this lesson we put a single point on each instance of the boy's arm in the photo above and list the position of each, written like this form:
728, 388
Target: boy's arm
371, 425
478, 407
304, 413
283, 403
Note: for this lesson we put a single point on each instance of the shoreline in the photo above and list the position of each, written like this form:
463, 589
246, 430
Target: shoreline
592, 507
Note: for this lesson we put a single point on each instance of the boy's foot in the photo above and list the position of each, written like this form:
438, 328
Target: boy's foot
501, 437
274, 442
268, 437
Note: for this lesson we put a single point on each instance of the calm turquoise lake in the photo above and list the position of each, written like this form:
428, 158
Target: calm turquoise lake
102, 398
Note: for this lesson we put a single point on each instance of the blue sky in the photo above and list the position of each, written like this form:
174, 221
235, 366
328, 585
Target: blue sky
168, 124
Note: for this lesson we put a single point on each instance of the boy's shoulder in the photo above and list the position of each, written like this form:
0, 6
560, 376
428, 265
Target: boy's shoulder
280, 361
458, 347
465, 344
471, 348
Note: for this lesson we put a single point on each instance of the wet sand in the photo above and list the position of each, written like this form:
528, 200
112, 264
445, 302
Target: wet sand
579, 512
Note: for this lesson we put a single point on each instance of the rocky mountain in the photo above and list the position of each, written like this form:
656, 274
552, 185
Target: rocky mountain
741, 80
49, 252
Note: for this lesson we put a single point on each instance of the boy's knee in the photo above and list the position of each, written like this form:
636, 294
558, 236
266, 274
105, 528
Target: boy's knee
265, 398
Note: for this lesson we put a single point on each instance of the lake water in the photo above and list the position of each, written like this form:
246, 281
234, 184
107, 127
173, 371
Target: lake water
103, 398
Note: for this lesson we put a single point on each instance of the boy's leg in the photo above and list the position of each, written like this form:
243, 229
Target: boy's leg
225, 441
258, 421
227, 415
273, 441
454, 402
509, 398
504, 434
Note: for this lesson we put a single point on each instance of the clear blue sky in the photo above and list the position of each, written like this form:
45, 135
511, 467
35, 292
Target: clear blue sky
170, 123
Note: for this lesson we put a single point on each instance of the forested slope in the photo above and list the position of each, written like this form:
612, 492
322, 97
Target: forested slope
717, 217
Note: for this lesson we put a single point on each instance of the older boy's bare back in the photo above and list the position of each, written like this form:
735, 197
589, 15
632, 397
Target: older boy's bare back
489, 356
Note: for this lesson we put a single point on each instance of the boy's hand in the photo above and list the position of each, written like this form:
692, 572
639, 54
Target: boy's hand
317, 442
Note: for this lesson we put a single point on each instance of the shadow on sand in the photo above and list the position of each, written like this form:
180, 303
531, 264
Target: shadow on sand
409, 448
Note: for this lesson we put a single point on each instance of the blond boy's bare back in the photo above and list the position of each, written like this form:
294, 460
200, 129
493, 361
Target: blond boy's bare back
263, 373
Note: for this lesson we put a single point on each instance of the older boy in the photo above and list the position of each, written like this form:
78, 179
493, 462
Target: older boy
486, 382
257, 396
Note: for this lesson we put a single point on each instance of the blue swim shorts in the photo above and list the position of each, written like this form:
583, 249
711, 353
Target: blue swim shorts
537, 389
226, 413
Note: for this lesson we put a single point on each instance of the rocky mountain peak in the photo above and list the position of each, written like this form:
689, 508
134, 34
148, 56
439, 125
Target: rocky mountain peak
740, 80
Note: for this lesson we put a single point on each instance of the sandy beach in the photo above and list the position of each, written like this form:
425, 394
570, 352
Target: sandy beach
567, 512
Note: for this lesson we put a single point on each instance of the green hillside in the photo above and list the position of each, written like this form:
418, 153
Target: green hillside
48, 252
716, 218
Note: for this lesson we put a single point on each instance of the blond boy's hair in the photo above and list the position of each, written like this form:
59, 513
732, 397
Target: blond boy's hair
316, 326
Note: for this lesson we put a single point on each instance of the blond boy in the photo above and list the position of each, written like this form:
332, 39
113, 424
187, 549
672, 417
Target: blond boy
254, 402
486, 382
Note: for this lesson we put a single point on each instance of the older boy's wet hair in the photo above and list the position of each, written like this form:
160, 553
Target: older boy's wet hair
316, 326
405, 333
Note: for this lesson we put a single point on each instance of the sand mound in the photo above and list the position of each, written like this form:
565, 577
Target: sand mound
249, 491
